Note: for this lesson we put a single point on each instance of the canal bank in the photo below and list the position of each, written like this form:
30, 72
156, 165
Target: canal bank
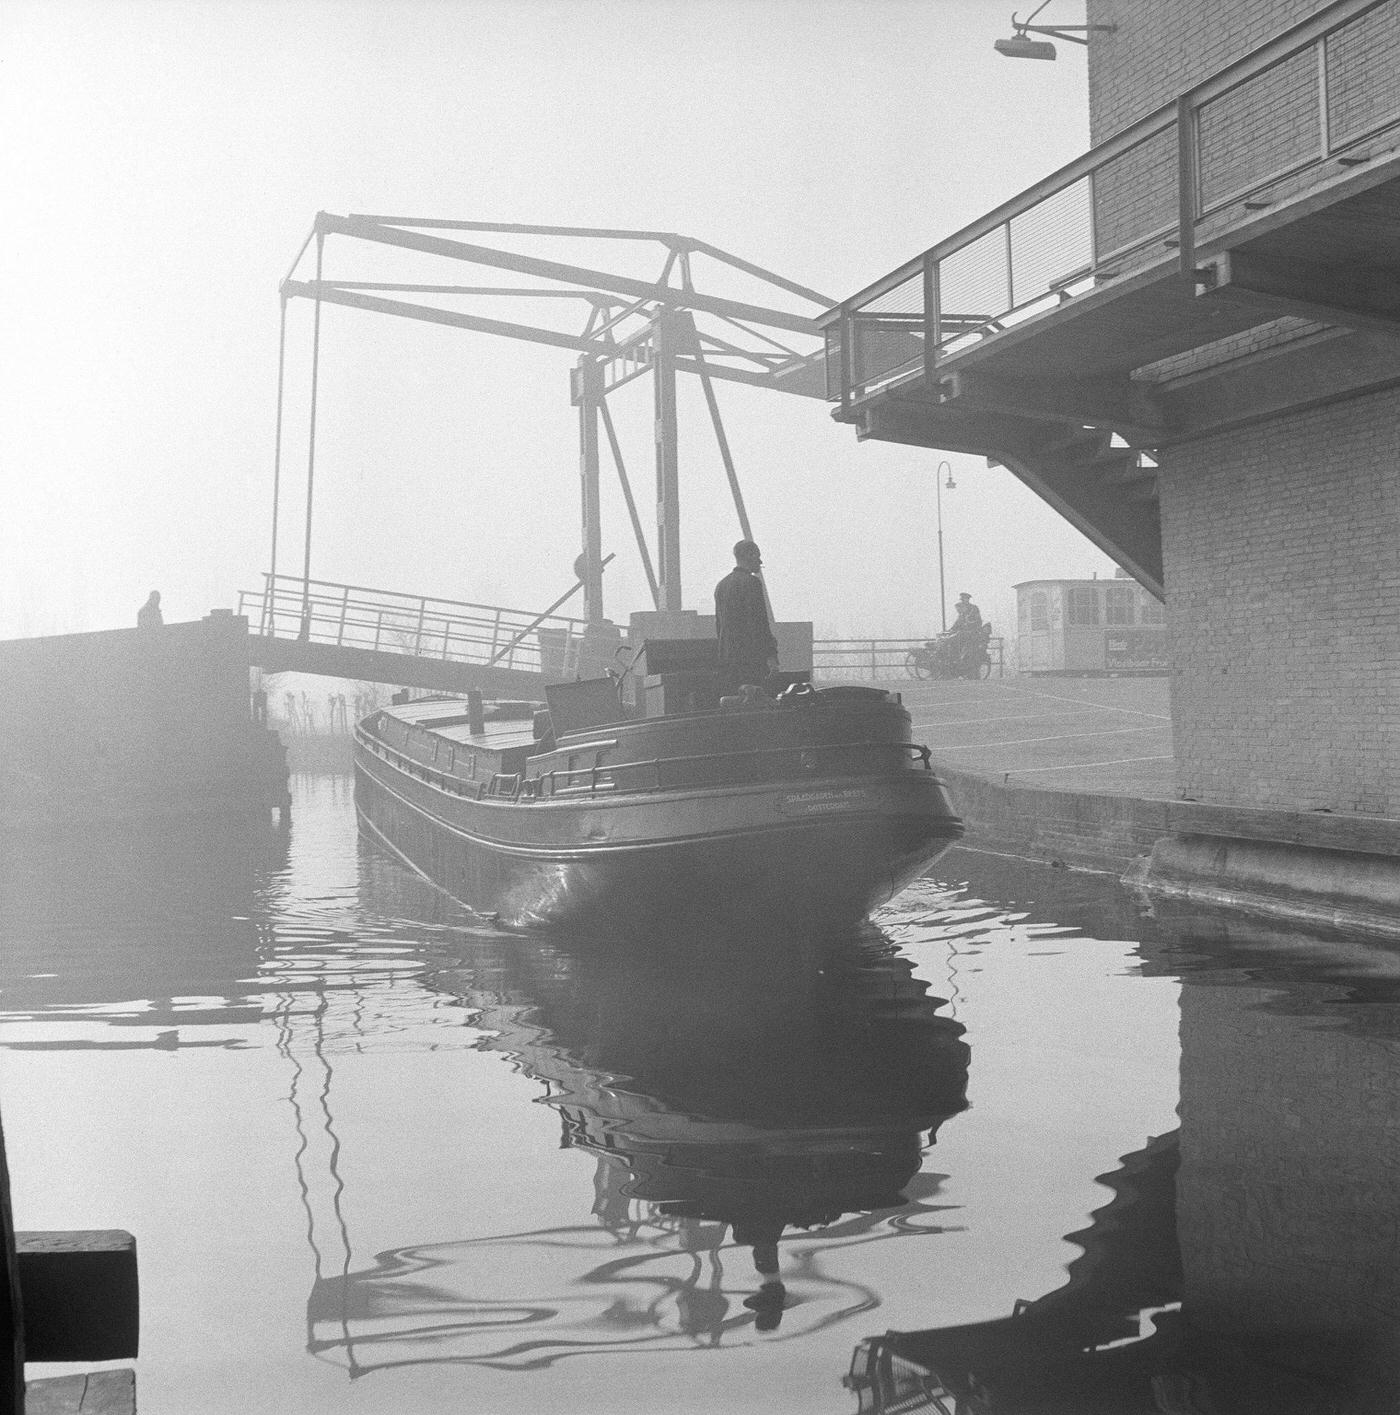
136, 724
1080, 773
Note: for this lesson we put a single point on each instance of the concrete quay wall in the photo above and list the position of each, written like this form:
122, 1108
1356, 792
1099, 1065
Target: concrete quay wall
133, 723
1335, 871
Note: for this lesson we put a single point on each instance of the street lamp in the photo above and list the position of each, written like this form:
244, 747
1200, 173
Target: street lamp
1022, 46
938, 510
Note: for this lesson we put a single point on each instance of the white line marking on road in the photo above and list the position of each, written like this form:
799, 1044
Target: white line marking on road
1031, 741
1006, 717
1079, 702
1071, 766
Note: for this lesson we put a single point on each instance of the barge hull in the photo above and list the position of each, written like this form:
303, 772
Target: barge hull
825, 871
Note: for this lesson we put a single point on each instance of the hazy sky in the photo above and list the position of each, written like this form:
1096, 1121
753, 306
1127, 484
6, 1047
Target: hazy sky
164, 159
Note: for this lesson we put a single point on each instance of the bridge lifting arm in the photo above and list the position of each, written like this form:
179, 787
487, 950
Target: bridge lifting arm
634, 326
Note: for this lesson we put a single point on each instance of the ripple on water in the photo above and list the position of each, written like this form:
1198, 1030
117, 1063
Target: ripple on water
483, 1166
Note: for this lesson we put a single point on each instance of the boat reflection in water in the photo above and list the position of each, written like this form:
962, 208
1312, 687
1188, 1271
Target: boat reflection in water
729, 1095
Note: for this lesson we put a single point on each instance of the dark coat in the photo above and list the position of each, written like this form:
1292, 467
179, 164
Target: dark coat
746, 641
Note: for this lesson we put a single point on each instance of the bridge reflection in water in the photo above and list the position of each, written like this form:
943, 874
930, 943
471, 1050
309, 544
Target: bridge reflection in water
729, 1094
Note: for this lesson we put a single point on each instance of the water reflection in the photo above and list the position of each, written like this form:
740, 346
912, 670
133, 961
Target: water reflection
1249, 1265
742, 1130
723, 1087
151, 927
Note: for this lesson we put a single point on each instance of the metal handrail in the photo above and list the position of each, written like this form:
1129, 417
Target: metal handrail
1312, 33
880, 659
349, 616
295, 583
532, 787
917, 337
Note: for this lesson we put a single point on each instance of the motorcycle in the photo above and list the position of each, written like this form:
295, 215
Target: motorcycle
953, 655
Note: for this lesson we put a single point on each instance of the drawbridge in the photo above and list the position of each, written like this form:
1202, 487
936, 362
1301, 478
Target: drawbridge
632, 328
418, 641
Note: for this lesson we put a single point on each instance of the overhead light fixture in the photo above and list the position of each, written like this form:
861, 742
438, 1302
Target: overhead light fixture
1022, 46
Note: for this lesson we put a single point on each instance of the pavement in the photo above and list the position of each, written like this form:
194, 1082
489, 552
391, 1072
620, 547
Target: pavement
1110, 736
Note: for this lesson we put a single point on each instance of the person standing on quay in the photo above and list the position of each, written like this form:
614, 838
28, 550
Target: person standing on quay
149, 615
748, 651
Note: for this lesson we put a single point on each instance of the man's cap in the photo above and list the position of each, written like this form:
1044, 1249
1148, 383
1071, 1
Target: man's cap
964, 595
746, 547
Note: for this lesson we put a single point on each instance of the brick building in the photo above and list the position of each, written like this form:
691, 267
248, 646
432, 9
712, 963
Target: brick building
1188, 342
1281, 540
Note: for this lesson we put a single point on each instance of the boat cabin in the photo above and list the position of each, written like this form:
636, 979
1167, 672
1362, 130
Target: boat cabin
662, 728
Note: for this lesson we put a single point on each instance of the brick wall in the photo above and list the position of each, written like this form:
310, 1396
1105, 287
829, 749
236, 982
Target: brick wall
1282, 551
1283, 581
1163, 47
1253, 133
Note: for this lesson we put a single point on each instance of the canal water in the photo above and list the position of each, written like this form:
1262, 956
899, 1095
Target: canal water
1019, 1146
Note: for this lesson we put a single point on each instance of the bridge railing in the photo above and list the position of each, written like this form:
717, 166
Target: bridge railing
357, 617
879, 660
1275, 123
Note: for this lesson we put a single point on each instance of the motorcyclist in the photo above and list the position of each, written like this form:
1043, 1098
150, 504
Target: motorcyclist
967, 630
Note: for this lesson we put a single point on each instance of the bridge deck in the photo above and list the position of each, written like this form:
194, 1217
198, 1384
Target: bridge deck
405, 670
417, 641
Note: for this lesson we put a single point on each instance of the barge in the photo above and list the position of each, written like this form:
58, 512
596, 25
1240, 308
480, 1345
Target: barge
806, 811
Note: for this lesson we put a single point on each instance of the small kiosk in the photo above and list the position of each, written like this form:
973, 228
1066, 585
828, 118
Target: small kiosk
1089, 626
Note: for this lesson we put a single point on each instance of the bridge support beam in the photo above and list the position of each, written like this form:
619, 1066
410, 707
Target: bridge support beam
1093, 484
1355, 297
588, 393
1109, 401
666, 345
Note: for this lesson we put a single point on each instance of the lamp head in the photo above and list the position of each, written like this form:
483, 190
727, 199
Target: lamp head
1019, 46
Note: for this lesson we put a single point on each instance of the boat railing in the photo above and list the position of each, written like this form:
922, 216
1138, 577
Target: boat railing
633, 776
385, 621
651, 774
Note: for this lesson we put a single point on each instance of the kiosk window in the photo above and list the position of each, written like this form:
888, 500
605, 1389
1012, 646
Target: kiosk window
1083, 605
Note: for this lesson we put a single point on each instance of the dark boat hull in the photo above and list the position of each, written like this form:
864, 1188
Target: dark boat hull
793, 853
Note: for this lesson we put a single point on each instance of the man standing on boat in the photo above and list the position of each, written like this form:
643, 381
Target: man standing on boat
748, 652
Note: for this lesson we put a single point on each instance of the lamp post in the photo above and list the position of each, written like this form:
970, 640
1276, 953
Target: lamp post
938, 509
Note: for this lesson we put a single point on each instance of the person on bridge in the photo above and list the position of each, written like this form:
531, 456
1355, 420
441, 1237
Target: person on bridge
748, 651
149, 615
969, 633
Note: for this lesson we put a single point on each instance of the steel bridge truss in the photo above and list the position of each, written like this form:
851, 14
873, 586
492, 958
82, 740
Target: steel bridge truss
632, 328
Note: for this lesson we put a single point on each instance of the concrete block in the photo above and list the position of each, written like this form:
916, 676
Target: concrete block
92, 1393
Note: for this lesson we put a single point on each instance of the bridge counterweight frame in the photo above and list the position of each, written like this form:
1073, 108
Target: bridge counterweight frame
668, 342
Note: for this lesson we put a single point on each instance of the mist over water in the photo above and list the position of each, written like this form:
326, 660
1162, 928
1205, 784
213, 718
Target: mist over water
380, 1156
